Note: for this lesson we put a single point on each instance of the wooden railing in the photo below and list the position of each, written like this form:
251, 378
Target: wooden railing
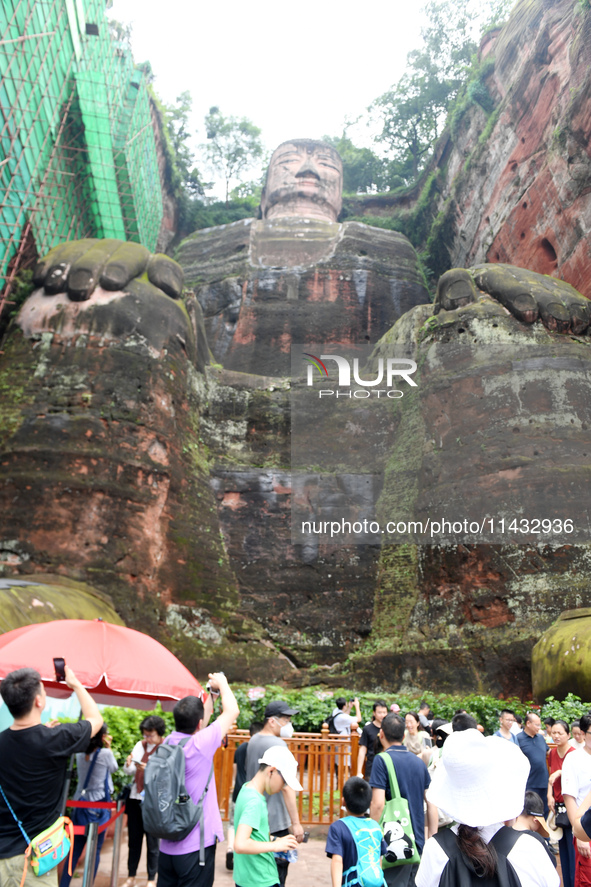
325, 763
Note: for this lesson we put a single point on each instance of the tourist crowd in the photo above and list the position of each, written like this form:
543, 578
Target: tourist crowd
433, 802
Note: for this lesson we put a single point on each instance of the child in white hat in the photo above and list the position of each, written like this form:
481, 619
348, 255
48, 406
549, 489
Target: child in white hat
254, 862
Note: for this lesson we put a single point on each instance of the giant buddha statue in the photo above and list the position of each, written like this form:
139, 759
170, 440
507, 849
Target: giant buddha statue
297, 274
130, 462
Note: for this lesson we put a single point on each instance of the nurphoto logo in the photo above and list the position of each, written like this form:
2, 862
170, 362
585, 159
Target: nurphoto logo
387, 371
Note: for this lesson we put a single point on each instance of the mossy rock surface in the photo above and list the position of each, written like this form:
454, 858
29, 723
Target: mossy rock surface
561, 660
43, 598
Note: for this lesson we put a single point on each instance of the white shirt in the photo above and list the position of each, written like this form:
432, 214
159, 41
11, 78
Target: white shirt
137, 754
342, 722
576, 775
528, 857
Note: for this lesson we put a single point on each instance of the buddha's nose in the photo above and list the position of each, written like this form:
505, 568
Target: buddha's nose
307, 169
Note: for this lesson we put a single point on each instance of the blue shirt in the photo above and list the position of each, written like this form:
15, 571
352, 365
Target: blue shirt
535, 749
413, 779
513, 737
586, 822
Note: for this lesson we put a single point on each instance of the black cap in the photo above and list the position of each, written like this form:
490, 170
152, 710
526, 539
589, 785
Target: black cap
279, 708
534, 806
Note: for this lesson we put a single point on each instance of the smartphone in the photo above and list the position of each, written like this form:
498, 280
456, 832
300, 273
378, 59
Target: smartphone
306, 837
60, 669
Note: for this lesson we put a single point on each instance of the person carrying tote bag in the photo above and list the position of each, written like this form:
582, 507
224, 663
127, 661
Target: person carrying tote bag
396, 824
403, 824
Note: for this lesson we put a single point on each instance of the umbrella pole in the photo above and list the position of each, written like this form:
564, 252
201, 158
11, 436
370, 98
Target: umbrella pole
90, 855
117, 846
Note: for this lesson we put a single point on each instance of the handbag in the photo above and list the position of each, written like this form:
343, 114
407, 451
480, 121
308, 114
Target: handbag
125, 792
86, 815
560, 815
396, 824
49, 847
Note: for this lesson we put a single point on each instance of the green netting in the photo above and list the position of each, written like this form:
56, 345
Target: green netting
77, 146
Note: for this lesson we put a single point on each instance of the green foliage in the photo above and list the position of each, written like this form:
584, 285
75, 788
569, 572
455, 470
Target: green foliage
120, 33
413, 112
207, 215
363, 171
248, 191
123, 724
584, 5
183, 177
499, 11
233, 145
436, 256
479, 95
21, 290
316, 705
411, 116
474, 92
569, 710
389, 223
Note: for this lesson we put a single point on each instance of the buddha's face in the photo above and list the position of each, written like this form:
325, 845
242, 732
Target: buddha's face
305, 179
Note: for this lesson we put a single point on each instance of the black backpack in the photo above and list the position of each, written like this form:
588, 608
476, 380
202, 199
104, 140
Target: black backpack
167, 809
330, 722
459, 873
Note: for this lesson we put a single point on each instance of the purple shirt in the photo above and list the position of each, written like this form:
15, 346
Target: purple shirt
199, 752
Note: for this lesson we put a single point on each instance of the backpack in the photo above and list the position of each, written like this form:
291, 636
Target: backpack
368, 871
167, 809
330, 722
459, 873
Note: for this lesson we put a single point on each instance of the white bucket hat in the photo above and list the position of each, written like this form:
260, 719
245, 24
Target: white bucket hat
482, 780
554, 830
282, 759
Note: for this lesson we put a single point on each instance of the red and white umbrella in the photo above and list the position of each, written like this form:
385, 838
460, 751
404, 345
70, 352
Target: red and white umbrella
117, 665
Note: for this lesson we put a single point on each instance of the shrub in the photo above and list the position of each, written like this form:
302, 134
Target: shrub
315, 705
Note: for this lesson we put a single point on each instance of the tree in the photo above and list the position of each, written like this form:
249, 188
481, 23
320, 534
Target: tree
176, 118
233, 145
184, 179
363, 171
412, 113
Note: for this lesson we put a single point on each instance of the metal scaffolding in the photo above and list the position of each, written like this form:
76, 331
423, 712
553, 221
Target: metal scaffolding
78, 151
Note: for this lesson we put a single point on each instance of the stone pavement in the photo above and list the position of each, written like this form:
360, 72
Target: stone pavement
312, 868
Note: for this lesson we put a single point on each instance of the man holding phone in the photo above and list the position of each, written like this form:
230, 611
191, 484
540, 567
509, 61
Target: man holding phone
33, 763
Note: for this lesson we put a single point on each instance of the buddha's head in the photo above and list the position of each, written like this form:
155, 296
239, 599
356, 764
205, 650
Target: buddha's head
305, 179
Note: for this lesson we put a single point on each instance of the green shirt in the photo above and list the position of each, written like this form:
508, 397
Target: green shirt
257, 869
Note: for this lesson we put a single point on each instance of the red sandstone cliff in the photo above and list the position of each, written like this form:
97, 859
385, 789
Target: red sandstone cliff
521, 192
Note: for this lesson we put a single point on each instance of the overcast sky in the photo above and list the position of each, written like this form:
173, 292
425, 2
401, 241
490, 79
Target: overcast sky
296, 71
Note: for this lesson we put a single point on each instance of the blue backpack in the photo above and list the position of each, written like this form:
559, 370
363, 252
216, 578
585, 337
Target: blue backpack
368, 840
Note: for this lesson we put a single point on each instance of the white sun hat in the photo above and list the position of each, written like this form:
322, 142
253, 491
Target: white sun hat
282, 759
555, 831
482, 781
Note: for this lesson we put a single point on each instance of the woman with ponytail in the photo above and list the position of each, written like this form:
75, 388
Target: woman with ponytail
481, 786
